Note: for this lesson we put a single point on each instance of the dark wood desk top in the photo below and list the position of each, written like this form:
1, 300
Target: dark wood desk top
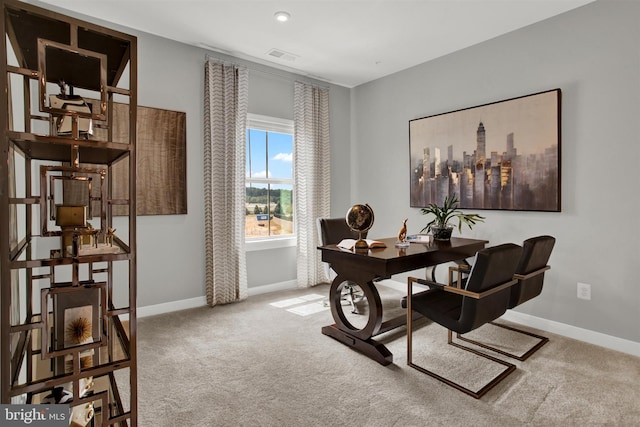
415, 248
364, 267
384, 262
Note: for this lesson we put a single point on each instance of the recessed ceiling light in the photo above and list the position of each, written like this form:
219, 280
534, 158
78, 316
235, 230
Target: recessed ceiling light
282, 16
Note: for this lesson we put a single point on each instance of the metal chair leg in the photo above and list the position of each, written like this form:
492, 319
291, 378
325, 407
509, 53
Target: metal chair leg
349, 296
352, 300
525, 356
509, 367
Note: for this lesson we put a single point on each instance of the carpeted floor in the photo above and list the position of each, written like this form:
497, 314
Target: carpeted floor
254, 363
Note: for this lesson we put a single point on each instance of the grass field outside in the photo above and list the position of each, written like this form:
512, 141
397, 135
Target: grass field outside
265, 228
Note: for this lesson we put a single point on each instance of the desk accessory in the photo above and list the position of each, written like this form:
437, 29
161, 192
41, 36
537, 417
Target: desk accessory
402, 236
440, 226
360, 219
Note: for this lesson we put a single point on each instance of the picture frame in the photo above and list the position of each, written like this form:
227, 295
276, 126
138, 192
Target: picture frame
70, 303
54, 61
503, 155
161, 152
161, 161
69, 186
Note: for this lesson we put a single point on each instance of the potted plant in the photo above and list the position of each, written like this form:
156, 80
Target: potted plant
440, 225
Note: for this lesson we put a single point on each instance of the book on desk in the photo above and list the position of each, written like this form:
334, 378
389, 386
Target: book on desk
419, 238
350, 243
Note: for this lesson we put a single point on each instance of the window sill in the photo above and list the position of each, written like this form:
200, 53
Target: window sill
266, 244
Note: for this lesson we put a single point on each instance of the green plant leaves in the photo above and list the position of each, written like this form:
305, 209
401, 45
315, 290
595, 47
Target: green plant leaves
448, 211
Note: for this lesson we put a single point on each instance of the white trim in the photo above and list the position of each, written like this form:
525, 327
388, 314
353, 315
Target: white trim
281, 286
269, 124
573, 332
394, 284
168, 307
272, 243
278, 125
591, 337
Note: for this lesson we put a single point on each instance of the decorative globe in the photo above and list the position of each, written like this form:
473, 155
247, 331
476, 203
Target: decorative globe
360, 219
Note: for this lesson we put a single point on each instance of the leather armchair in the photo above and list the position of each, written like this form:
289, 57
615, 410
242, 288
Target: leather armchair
529, 274
484, 298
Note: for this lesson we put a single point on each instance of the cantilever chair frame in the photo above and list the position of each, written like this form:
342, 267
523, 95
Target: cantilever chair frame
509, 367
531, 350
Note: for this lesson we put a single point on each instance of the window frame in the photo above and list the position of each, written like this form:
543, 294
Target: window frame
278, 125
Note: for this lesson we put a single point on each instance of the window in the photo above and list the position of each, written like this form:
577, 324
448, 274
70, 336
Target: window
269, 178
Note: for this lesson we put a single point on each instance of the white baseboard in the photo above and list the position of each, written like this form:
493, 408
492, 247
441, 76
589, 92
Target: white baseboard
591, 337
281, 286
585, 335
168, 307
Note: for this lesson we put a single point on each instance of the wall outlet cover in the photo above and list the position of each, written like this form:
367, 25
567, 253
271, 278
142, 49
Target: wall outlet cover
584, 291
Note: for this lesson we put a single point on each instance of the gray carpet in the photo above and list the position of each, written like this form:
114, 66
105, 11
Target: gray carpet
253, 364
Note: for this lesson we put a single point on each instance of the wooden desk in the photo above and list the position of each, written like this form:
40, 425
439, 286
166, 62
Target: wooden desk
363, 267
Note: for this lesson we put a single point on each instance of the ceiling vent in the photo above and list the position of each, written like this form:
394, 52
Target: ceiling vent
280, 54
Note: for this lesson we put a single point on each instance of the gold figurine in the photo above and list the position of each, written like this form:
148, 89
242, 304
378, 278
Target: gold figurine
402, 234
109, 236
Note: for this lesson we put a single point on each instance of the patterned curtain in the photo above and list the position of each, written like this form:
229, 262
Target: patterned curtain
225, 109
311, 176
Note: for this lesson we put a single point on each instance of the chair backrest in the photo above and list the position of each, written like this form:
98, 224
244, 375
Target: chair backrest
536, 252
332, 231
492, 267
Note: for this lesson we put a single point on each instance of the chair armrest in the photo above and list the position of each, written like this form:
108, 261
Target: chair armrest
426, 282
477, 295
460, 269
532, 274
465, 267
412, 280
455, 290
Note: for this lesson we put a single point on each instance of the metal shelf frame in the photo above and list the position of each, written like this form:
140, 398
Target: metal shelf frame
27, 338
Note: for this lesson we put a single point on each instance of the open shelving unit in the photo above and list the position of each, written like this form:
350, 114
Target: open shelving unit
67, 216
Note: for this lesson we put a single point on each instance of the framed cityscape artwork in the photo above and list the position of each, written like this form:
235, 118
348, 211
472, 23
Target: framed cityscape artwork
503, 155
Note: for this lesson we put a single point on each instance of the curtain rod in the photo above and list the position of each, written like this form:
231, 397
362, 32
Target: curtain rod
273, 73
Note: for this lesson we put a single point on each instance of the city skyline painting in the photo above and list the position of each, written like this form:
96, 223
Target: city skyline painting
503, 155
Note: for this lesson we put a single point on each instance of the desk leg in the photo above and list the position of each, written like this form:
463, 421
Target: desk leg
370, 348
345, 332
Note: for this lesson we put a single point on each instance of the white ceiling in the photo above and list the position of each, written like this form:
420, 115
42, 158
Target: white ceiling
345, 42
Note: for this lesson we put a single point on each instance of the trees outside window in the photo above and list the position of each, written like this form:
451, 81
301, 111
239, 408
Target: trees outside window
269, 178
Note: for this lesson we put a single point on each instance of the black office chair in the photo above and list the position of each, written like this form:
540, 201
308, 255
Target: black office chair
536, 252
332, 231
484, 299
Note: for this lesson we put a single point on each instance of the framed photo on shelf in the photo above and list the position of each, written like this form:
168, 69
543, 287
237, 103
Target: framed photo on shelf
75, 324
504, 155
76, 317
58, 62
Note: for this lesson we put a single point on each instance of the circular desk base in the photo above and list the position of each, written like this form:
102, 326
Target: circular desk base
372, 296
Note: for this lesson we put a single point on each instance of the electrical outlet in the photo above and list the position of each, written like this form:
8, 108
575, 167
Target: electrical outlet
584, 291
